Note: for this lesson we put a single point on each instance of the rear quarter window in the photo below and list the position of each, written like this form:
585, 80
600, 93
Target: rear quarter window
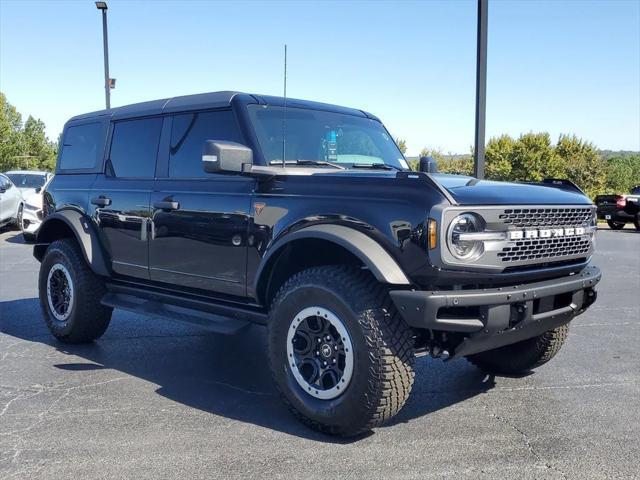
82, 147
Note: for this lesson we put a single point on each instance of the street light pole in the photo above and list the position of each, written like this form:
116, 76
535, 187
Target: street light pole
481, 89
105, 42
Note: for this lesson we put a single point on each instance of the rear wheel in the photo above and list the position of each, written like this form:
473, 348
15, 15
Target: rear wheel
615, 225
341, 356
70, 295
523, 356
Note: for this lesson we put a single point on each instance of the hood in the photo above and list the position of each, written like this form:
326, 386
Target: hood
471, 191
26, 192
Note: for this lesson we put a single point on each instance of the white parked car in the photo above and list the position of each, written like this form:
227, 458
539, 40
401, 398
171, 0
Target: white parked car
10, 201
29, 183
32, 212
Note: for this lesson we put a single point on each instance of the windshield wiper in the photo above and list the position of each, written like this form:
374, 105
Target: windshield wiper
377, 166
319, 163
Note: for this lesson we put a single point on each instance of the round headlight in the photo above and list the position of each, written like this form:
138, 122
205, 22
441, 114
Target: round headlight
461, 248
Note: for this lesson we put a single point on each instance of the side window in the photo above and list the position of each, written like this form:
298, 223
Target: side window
81, 147
134, 147
188, 134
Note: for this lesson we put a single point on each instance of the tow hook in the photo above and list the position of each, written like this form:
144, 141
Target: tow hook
590, 296
519, 313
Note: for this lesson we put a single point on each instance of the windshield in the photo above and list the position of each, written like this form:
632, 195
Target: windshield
321, 136
27, 180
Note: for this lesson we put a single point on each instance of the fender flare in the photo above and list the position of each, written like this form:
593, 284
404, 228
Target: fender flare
85, 234
367, 250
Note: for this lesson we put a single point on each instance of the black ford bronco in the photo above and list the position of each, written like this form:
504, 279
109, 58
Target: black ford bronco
226, 208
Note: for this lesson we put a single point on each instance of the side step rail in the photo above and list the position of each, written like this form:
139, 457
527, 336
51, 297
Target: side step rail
207, 320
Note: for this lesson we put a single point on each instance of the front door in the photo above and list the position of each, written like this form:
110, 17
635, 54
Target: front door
200, 221
120, 197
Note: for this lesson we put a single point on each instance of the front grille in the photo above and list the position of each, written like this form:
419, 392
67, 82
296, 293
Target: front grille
527, 236
543, 249
546, 217
546, 248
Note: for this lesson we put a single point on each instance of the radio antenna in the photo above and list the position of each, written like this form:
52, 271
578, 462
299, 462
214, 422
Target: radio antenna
284, 113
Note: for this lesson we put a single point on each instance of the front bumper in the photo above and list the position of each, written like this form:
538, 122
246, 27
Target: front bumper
31, 221
494, 317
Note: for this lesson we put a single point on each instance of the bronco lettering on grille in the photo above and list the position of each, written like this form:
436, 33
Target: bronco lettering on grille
546, 233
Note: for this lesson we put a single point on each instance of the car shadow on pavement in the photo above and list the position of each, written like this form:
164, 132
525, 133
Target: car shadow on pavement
227, 376
17, 238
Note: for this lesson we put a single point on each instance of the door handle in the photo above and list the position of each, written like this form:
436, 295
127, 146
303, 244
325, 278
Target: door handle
166, 205
101, 201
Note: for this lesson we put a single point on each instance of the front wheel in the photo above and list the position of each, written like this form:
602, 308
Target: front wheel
70, 295
341, 356
636, 222
615, 225
521, 357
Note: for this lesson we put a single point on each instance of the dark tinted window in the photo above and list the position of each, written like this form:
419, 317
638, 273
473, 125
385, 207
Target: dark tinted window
134, 147
188, 134
81, 147
636, 190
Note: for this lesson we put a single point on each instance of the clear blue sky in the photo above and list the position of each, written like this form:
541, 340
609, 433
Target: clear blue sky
556, 66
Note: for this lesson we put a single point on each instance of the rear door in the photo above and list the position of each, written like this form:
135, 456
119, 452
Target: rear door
200, 220
120, 196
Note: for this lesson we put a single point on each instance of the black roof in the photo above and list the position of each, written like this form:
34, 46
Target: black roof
210, 100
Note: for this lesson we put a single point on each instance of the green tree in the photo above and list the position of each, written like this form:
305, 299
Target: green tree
36, 146
582, 164
623, 173
10, 134
402, 145
499, 157
23, 146
534, 158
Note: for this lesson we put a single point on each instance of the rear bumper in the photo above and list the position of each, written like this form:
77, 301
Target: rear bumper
615, 214
495, 317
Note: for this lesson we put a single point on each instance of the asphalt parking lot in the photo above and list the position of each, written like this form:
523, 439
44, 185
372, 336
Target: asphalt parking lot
154, 399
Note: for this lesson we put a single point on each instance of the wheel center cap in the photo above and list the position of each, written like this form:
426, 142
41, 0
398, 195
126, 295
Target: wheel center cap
325, 350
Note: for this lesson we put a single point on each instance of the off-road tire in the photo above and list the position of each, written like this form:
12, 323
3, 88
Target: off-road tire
383, 349
615, 225
88, 318
523, 356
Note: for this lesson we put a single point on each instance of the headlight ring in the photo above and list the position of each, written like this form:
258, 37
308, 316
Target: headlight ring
465, 223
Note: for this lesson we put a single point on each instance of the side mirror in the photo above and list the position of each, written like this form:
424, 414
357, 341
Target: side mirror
220, 156
428, 165
38, 190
